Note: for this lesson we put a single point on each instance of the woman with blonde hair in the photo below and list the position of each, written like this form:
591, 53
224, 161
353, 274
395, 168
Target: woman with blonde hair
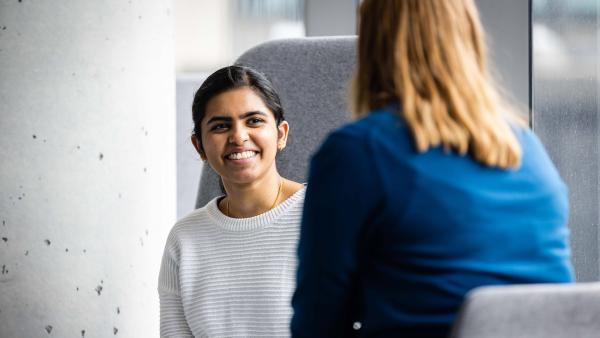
436, 189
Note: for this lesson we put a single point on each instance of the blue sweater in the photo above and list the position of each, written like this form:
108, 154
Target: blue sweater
393, 239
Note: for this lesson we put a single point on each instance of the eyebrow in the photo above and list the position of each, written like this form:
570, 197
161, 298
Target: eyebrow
229, 119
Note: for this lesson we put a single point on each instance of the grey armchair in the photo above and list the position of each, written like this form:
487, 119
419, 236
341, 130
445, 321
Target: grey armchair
531, 311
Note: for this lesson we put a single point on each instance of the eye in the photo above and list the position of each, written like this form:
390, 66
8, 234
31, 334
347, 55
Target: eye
219, 127
255, 121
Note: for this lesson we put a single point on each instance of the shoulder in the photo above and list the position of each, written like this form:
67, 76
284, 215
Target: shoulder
190, 224
346, 136
526, 136
365, 125
291, 187
288, 214
531, 146
295, 201
535, 158
367, 134
190, 233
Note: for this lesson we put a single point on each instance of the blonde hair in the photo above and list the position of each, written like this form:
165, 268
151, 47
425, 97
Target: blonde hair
430, 55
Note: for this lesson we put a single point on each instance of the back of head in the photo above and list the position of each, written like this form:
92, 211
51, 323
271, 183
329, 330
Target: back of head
430, 56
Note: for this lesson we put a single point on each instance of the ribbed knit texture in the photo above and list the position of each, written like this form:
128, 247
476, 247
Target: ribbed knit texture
230, 277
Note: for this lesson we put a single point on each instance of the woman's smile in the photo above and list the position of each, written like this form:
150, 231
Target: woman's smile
242, 156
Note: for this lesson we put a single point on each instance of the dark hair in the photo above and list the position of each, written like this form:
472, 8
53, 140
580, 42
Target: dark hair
229, 78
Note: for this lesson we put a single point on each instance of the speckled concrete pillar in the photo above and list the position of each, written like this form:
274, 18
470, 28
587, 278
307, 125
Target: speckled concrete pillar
87, 165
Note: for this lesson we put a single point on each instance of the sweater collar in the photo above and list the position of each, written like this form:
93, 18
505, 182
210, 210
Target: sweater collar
255, 222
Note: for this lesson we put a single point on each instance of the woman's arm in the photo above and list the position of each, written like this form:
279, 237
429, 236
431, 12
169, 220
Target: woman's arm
341, 197
172, 319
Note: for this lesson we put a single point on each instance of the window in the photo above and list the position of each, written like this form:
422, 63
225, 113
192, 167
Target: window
565, 39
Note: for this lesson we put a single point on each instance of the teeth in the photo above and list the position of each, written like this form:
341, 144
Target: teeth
242, 155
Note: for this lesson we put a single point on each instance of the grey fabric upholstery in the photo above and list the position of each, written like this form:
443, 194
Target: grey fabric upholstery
312, 76
532, 311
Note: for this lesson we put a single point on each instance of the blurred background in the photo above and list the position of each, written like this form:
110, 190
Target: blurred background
95, 120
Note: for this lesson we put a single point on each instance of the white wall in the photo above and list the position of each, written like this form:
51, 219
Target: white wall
87, 175
203, 35
189, 164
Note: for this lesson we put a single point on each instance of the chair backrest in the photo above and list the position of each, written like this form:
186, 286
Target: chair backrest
531, 311
312, 77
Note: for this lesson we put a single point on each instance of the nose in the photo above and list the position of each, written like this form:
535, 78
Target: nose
238, 135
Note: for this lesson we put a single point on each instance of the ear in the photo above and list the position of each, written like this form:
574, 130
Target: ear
282, 134
198, 145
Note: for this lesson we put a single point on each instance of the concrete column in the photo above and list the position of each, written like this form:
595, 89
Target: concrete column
87, 165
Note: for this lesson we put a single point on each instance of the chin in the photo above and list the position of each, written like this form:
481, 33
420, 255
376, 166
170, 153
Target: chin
241, 178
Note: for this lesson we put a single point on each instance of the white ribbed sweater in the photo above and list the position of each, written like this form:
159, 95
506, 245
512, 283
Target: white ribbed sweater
230, 277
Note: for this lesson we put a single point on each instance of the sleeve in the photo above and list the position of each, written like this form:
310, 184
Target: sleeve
172, 319
341, 197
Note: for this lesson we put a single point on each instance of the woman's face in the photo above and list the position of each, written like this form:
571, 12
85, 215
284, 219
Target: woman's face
240, 136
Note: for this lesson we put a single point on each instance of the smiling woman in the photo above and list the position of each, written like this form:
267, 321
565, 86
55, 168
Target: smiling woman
228, 268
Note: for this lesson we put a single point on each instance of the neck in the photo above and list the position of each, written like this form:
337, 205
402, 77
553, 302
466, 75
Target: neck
248, 200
